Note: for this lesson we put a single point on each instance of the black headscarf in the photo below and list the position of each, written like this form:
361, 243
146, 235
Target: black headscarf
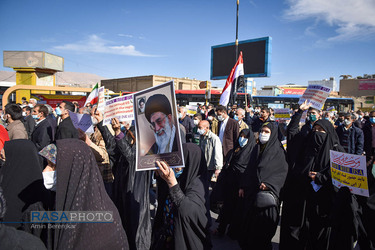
316, 156
268, 166
22, 179
241, 156
80, 187
192, 218
331, 142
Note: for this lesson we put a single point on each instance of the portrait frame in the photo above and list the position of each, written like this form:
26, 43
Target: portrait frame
146, 156
139, 110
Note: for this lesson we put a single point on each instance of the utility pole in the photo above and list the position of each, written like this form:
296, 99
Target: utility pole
238, 5
234, 95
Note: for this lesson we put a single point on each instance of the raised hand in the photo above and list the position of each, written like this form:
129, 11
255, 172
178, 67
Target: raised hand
305, 105
166, 173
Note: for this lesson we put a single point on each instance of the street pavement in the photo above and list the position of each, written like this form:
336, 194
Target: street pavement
227, 243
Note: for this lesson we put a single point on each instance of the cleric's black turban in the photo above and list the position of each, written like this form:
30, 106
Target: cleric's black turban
157, 103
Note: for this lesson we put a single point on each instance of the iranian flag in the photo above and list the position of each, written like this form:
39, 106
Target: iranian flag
236, 76
93, 97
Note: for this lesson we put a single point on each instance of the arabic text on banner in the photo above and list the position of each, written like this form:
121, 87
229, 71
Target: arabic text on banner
119, 107
101, 100
349, 170
82, 121
282, 114
316, 95
191, 109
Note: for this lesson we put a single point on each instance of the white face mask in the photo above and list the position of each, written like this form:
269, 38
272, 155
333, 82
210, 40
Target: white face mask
196, 122
23, 113
264, 138
220, 118
180, 115
49, 179
210, 118
201, 131
347, 122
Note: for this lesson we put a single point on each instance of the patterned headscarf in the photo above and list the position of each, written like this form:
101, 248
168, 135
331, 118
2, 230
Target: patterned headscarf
49, 152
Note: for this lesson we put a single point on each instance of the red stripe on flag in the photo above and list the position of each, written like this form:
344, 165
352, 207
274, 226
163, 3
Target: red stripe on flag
95, 100
230, 77
225, 98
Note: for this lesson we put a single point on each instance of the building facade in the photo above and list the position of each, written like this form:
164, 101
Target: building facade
361, 90
138, 83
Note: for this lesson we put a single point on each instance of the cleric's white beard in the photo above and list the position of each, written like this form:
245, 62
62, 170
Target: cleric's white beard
162, 140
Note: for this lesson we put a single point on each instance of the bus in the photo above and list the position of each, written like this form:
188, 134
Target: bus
184, 97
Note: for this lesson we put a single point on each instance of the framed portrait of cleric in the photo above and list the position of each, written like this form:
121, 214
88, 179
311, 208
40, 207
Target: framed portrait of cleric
141, 104
157, 128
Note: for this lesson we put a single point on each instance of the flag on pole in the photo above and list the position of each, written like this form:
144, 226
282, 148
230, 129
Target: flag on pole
235, 77
93, 96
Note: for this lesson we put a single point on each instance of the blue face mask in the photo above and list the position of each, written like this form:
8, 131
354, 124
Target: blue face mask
177, 174
35, 117
123, 129
242, 141
58, 111
327, 118
235, 117
372, 119
312, 118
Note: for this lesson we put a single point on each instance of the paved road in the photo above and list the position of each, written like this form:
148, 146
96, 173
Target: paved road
227, 243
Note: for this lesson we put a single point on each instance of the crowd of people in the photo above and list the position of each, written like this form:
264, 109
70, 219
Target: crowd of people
240, 163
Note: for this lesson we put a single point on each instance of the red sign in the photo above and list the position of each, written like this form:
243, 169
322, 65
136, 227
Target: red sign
53, 100
367, 84
294, 91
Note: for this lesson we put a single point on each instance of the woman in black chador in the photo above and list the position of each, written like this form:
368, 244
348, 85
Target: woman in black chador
79, 187
230, 179
309, 193
261, 184
130, 187
183, 220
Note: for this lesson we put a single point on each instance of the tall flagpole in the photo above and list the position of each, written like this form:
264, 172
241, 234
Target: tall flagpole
238, 4
234, 95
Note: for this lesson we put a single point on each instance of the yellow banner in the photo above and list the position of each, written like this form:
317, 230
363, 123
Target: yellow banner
350, 180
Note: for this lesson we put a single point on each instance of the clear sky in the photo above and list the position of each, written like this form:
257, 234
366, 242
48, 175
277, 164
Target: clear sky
311, 39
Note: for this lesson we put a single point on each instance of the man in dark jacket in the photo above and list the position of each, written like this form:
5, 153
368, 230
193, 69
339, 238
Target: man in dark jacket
369, 138
361, 121
42, 135
228, 131
265, 114
66, 128
52, 120
249, 117
28, 121
339, 120
350, 136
